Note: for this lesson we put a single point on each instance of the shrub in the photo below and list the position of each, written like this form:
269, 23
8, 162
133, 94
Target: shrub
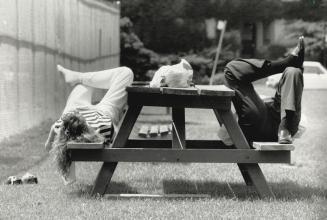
144, 62
134, 54
271, 52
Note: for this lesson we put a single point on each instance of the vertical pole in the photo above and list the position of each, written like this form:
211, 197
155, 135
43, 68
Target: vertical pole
324, 46
218, 52
178, 139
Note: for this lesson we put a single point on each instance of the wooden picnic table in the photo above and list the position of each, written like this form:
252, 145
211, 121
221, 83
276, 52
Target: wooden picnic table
178, 149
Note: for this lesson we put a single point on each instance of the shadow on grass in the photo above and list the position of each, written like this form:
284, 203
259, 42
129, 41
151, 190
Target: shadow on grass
84, 190
283, 191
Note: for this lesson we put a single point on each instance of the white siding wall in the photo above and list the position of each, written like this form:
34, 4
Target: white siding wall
35, 35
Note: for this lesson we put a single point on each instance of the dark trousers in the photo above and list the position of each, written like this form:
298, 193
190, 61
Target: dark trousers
258, 120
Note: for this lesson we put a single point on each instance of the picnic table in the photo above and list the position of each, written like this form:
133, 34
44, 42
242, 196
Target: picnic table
178, 149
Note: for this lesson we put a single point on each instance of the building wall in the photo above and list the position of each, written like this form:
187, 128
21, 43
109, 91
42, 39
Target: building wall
275, 30
269, 33
35, 35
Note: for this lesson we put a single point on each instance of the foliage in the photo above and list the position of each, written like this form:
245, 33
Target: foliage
314, 37
202, 61
133, 53
168, 26
308, 10
145, 62
314, 40
271, 52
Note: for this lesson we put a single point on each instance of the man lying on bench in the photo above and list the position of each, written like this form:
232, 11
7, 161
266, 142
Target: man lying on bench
279, 119
83, 122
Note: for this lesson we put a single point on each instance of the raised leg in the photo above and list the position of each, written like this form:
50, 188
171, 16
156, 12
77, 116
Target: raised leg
178, 115
251, 172
107, 170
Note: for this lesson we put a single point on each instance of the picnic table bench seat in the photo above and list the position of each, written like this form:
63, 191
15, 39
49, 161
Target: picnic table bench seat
177, 148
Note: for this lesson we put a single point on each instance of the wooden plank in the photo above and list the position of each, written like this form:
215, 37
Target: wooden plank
180, 155
140, 83
233, 128
126, 127
220, 121
156, 143
170, 127
85, 145
180, 91
154, 131
163, 129
215, 90
144, 130
167, 100
272, 146
142, 89
238, 138
104, 176
178, 116
251, 173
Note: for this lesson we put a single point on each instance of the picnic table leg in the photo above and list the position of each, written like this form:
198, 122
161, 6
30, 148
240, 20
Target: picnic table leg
247, 179
178, 116
250, 172
107, 170
103, 179
241, 167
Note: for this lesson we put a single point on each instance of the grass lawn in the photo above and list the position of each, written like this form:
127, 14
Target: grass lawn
301, 188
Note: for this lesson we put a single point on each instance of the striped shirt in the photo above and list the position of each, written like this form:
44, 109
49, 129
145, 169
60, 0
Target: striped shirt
97, 120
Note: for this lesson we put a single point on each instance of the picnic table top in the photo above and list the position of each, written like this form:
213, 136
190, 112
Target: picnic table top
202, 90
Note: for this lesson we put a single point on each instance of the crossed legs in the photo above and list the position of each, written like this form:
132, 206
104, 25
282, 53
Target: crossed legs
262, 121
114, 80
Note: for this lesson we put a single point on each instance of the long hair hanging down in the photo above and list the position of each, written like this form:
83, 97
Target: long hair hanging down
73, 129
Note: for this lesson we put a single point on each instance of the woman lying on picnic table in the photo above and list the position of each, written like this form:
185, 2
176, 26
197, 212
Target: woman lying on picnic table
83, 122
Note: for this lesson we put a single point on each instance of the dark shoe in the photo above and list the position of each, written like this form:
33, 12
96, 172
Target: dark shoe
284, 137
13, 180
298, 52
29, 179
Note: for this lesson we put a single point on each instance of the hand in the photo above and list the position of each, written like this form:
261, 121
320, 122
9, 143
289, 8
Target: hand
55, 129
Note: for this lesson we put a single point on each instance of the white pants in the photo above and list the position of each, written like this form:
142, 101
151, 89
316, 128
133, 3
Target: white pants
112, 104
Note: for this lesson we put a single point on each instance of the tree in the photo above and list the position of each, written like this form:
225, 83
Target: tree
314, 33
178, 25
133, 53
307, 10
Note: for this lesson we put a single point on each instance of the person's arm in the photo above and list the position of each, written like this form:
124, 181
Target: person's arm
53, 131
50, 139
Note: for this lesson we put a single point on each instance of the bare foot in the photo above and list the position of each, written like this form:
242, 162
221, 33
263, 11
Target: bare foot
71, 77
